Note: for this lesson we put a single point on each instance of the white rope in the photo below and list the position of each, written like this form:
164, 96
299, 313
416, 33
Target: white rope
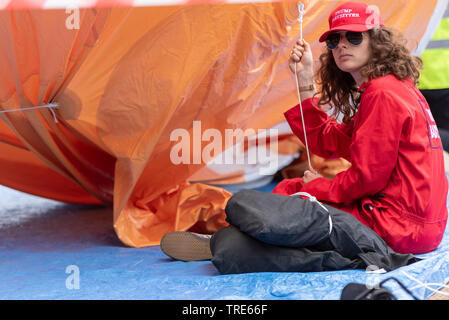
49, 106
426, 285
300, 19
439, 285
314, 199
311, 198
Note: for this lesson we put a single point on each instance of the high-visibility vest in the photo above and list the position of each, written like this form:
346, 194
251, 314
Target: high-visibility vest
435, 74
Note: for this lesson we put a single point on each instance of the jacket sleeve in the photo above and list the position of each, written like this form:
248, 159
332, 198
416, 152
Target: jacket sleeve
325, 136
374, 152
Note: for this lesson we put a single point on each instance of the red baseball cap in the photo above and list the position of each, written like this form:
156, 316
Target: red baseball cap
353, 16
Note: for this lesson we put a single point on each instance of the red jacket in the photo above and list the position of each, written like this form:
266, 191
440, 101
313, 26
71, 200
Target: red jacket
397, 184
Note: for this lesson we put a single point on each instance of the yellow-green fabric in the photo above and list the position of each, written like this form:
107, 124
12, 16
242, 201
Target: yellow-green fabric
435, 74
442, 32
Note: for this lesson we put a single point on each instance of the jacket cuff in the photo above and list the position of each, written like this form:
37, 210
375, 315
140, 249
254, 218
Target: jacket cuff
319, 188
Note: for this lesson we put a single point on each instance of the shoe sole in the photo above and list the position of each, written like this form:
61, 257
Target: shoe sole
186, 246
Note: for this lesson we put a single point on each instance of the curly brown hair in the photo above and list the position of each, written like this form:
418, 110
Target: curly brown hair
389, 55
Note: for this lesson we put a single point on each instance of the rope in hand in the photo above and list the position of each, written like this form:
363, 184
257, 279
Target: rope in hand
300, 19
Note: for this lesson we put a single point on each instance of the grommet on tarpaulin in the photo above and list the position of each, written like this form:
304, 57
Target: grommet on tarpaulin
51, 106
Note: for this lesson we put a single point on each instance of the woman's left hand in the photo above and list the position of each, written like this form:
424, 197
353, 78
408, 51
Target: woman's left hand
310, 176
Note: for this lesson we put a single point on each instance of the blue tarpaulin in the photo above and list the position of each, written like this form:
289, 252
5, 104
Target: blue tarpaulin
42, 242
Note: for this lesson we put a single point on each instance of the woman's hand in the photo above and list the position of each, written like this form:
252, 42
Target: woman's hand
310, 176
301, 55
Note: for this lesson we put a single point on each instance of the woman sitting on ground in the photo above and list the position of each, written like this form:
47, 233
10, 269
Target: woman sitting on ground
396, 184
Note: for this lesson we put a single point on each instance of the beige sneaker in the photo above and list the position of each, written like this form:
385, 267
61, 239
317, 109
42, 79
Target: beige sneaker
186, 246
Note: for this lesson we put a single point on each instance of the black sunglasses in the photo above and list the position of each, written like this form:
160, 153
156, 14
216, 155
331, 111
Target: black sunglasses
354, 38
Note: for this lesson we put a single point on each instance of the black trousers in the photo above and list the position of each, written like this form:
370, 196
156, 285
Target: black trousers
274, 233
